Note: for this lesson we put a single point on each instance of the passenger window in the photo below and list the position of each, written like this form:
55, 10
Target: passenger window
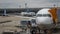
44, 15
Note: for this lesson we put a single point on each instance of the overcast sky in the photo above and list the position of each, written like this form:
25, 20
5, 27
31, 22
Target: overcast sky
30, 3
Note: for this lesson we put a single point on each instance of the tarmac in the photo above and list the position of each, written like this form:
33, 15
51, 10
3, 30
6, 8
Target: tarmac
10, 23
13, 21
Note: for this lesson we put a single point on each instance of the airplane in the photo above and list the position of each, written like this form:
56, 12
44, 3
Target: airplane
28, 14
44, 18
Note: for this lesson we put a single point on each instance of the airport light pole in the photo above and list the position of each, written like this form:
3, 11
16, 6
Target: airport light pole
19, 6
56, 3
4, 12
26, 7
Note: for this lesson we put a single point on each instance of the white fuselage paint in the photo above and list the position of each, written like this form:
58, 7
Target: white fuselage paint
44, 17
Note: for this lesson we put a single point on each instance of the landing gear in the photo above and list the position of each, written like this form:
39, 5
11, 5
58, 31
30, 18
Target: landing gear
35, 30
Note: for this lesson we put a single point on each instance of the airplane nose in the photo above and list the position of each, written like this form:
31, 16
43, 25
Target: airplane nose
43, 20
39, 20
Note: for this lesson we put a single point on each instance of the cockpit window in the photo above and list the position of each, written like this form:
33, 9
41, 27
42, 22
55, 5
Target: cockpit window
49, 15
46, 15
39, 15
43, 15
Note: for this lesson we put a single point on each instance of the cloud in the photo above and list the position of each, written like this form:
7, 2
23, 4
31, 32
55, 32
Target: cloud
53, 1
30, 3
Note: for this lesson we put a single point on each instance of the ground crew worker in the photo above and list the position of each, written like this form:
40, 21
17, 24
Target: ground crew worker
29, 24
